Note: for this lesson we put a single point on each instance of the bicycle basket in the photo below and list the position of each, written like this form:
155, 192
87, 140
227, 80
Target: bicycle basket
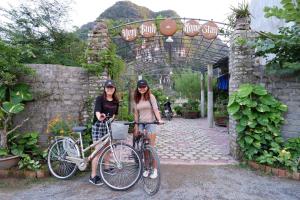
70, 147
119, 131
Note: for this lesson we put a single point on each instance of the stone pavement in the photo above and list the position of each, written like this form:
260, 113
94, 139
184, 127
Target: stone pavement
191, 142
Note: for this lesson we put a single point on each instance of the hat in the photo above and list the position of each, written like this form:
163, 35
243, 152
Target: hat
141, 83
109, 83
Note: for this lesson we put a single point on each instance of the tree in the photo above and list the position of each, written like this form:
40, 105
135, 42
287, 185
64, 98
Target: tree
12, 93
188, 84
37, 28
286, 44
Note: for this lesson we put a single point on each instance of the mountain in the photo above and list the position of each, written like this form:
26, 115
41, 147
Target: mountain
125, 11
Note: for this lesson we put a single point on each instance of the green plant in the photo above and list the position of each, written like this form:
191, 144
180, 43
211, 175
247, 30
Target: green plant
161, 98
108, 60
188, 84
285, 45
26, 146
36, 27
178, 110
241, 11
13, 94
191, 106
259, 118
61, 127
27, 163
292, 145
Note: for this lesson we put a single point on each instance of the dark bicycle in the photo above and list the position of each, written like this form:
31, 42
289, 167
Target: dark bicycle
149, 158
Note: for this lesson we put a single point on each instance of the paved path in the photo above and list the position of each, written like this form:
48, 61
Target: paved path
190, 141
178, 183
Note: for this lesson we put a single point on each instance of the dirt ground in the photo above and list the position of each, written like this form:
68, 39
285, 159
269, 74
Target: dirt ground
178, 182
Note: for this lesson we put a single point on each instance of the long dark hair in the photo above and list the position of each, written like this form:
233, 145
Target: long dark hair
114, 96
138, 95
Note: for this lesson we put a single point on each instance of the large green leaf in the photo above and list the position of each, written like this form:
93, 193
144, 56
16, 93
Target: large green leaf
9, 107
240, 128
252, 124
263, 120
20, 93
247, 111
256, 136
244, 121
3, 152
249, 139
262, 108
257, 144
267, 100
231, 99
283, 107
237, 116
233, 108
245, 90
259, 90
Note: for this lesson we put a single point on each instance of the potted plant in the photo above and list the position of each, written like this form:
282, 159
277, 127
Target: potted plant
221, 114
240, 17
221, 117
191, 109
12, 96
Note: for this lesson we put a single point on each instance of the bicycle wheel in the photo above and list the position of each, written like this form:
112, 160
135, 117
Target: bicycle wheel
151, 185
57, 164
124, 175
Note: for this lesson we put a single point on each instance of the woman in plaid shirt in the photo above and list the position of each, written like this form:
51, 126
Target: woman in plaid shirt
106, 106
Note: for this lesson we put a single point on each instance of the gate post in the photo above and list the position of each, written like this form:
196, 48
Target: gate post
98, 40
210, 100
202, 95
240, 70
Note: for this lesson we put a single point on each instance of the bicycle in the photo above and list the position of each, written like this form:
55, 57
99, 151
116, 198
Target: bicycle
148, 155
120, 164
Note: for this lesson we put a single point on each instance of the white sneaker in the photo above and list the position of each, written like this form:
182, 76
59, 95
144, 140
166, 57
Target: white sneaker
146, 173
154, 174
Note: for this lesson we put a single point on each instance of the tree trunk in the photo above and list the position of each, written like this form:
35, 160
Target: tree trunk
3, 139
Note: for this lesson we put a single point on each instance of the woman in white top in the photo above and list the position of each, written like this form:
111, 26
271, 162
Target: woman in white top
146, 110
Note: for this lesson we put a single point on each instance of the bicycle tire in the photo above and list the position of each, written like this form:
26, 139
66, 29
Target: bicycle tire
152, 186
65, 168
130, 161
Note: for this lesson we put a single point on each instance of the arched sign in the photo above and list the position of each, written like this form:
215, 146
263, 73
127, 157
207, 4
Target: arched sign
129, 33
148, 29
209, 30
168, 27
191, 28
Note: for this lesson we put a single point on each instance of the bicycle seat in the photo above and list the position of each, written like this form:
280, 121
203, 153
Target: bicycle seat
79, 129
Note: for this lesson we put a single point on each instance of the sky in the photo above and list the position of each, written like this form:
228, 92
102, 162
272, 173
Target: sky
84, 11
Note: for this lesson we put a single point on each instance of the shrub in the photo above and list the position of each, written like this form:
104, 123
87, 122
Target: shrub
259, 118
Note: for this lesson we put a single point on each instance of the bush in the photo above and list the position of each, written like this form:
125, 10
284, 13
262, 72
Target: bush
26, 146
60, 127
178, 110
259, 119
191, 106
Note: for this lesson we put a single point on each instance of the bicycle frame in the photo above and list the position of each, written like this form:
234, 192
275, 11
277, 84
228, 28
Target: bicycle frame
82, 161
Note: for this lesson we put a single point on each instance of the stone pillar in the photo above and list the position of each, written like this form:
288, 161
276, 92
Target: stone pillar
210, 103
240, 70
98, 40
202, 95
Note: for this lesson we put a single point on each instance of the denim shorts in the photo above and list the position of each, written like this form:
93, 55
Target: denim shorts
150, 128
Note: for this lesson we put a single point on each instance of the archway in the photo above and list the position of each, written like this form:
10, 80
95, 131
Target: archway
156, 52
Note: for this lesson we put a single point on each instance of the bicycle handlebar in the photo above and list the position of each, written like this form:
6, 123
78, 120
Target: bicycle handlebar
144, 123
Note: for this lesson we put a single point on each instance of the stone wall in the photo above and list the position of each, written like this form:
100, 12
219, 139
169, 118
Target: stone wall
287, 90
58, 91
